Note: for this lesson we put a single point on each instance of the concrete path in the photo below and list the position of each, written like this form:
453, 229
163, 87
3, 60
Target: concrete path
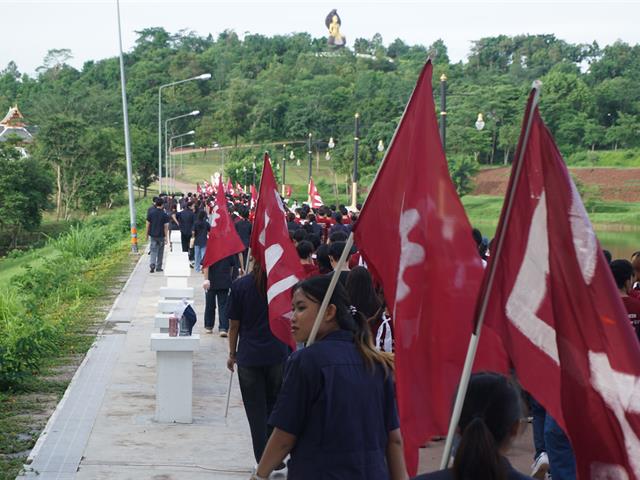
104, 429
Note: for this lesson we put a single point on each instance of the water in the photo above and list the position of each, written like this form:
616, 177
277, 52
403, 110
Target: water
621, 243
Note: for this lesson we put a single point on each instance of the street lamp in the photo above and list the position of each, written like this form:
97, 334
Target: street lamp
171, 169
331, 143
480, 122
127, 143
443, 111
204, 76
309, 155
380, 146
193, 113
356, 143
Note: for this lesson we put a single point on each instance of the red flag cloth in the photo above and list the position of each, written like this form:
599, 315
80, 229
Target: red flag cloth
239, 188
425, 258
287, 191
315, 200
254, 197
223, 238
229, 187
556, 306
272, 247
198, 189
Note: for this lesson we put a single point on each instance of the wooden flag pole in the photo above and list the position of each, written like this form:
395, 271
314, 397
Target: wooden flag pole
475, 336
332, 286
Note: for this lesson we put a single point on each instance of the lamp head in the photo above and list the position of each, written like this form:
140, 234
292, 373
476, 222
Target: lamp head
480, 122
191, 132
195, 112
380, 146
205, 76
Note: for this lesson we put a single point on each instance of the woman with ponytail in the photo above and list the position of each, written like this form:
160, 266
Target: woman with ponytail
489, 421
336, 413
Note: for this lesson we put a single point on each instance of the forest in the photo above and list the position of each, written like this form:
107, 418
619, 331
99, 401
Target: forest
279, 89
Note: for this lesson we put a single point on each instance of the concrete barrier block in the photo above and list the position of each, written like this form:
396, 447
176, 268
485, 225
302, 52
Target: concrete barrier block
169, 293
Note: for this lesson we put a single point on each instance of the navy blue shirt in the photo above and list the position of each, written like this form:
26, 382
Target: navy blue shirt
257, 346
186, 218
512, 474
340, 411
243, 227
157, 219
200, 230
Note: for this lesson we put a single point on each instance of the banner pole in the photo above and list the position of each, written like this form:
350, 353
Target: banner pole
475, 336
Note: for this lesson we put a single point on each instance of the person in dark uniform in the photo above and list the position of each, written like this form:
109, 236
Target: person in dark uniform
489, 422
186, 218
216, 285
336, 413
259, 355
243, 227
157, 235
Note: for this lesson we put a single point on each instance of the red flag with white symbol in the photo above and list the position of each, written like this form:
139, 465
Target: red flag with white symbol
239, 189
272, 247
315, 200
424, 256
555, 304
223, 238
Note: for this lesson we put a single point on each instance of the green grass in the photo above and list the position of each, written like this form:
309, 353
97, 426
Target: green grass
10, 267
629, 158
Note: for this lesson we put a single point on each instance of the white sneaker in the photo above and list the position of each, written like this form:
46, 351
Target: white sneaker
208, 330
540, 466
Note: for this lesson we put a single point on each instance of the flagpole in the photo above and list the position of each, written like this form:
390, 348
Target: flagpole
475, 336
332, 286
349, 244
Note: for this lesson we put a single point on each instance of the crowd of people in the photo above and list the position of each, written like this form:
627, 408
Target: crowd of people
330, 408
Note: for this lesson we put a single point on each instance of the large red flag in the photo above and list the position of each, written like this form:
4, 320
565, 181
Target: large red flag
272, 247
315, 200
556, 306
223, 239
254, 197
424, 256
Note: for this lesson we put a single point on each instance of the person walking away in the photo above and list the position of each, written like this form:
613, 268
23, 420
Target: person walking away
625, 275
258, 354
199, 233
186, 218
305, 250
336, 414
489, 422
157, 235
217, 282
243, 227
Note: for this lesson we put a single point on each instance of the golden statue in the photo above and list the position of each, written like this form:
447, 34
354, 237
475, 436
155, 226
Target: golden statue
333, 23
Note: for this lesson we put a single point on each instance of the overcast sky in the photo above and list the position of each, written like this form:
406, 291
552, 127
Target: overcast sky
29, 28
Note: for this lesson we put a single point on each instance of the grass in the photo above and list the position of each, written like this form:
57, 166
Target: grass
10, 267
626, 158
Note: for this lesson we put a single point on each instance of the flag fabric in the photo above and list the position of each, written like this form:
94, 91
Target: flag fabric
555, 304
315, 200
287, 191
223, 238
198, 189
254, 197
425, 258
229, 188
272, 247
239, 188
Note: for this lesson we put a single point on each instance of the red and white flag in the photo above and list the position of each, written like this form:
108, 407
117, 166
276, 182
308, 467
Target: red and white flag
239, 188
272, 247
315, 200
198, 189
254, 197
287, 191
424, 256
223, 238
229, 188
555, 304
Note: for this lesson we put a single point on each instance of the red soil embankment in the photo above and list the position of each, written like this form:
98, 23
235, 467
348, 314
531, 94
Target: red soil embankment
621, 184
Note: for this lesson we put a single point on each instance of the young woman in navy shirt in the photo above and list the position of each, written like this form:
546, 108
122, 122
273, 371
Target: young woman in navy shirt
336, 412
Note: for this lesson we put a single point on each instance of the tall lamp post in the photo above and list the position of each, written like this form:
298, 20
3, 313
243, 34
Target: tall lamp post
244, 169
127, 143
309, 154
166, 127
443, 111
284, 166
356, 144
171, 176
204, 76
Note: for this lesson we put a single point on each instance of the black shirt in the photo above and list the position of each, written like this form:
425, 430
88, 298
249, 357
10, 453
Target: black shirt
157, 220
220, 273
186, 218
243, 227
512, 474
200, 229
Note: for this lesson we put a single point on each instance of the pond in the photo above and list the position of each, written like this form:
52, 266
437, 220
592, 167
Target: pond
621, 243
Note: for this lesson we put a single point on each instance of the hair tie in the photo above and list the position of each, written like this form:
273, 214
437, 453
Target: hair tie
353, 310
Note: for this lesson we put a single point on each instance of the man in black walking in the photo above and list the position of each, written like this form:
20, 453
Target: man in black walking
157, 234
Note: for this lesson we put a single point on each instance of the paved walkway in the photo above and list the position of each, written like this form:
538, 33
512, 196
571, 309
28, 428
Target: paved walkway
103, 427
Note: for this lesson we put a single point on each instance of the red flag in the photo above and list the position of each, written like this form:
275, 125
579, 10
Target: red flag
287, 191
239, 188
254, 197
424, 256
315, 200
223, 239
198, 189
271, 246
556, 306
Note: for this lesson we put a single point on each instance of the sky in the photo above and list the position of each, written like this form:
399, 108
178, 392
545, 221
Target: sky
29, 28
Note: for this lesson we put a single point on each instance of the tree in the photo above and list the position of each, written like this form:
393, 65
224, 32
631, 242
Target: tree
625, 132
144, 150
462, 169
25, 184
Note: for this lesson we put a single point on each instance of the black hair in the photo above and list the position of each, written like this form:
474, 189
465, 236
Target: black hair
338, 237
315, 288
362, 293
322, 256
491, 409
305, 249
622, 271
337, 217
607, 255
300, 234
159, 202
336, 249
202, 215
315, 240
